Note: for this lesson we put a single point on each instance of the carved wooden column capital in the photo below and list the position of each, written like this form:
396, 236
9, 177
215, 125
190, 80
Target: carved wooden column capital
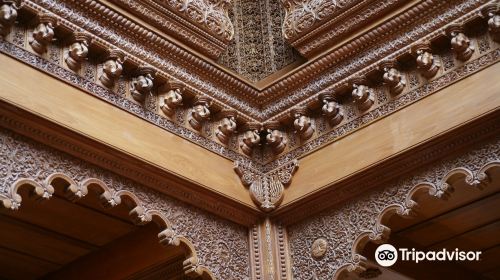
362, 94
275, 137
426, 62
392, 77
43, 34
251, 137
331, 108
142, 83
78, 50
8, 15
173, 98
227, 126
112, 67
266, 189
460, 43
200, 112
302, 123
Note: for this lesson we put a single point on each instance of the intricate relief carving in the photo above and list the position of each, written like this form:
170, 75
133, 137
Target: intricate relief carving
8, 15
492, 13
331, 109
275, 138
319, 247
112, 68
43, 34
141, 85
251, 138
211, 14
227, 126
266, 189
350, 225
394, 79
172, 99
302, 15
200, 112
426, 62
460, 44
302, 123
78, 51
24, 163
362, 95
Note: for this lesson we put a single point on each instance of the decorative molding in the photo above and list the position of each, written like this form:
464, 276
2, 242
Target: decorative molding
349, 226
266, 189
28, 164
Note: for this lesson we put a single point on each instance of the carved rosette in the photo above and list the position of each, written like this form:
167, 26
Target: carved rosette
426, 62
267, 189
8, 15
492, 13
251, 138
200, 112
275, 138
460, 43
112, 68
392, 77
302, 123
227, 126
331, 108
43, 34
173, 98
141, 85
362, 95
78, 50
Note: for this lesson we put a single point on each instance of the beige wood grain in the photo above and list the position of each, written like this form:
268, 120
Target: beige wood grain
74, 109
417, 123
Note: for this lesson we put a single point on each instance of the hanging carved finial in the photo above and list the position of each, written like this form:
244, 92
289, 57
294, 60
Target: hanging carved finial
227, 126
200, 112
251, 138
426, 62
43, 34
275, 138
112, 68
492, 13
78, 51
141, 85
173, 98
8, 15
302, 123
266, 189
393, 79
362, 95
460, 44
331, 109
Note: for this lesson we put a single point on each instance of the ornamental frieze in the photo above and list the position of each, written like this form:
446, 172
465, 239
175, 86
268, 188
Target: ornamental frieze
24, 161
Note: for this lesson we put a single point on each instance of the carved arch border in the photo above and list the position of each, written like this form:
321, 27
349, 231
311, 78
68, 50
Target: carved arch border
380, 232
140, 214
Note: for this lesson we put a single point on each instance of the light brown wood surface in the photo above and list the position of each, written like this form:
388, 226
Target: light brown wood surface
76, 110
399, 132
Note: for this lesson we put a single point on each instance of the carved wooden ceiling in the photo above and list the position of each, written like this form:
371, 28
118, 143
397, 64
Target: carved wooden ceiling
156, 60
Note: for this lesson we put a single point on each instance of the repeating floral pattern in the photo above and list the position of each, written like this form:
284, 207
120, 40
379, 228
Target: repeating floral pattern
341, 226
227, 258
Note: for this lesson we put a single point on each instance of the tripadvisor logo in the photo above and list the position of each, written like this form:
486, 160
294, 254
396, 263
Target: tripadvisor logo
387, 255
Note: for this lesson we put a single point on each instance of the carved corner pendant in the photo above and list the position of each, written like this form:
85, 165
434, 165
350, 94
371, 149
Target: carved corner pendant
267, 189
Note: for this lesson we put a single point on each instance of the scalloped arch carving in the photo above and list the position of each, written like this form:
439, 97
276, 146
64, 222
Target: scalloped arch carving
351, 226
26, 163
139, 213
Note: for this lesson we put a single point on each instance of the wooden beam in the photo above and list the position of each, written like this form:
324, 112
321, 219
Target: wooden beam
121, 258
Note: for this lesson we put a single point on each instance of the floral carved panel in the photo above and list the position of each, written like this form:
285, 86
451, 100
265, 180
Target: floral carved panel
227, 257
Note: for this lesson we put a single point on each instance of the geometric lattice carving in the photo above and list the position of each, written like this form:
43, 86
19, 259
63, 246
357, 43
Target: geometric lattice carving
267, 189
